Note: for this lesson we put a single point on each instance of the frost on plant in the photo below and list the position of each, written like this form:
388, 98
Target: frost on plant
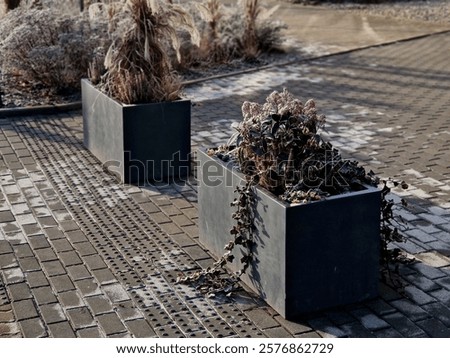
279, 144
137, 65
46, 48
242, 30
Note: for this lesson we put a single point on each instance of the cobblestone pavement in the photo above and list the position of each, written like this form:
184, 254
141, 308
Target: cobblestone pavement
82, 256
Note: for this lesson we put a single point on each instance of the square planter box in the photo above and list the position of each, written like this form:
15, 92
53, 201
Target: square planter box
138, 143
308, 257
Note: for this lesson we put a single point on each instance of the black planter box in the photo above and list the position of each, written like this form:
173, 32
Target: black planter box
308, 257
138, 143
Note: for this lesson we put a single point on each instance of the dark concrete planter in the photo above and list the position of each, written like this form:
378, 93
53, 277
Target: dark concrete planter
309, 257
138, 143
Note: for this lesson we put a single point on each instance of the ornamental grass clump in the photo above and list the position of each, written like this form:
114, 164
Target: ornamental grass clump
137, 68
241, 31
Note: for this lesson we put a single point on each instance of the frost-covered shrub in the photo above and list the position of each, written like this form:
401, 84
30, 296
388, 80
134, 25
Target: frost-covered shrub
48, 48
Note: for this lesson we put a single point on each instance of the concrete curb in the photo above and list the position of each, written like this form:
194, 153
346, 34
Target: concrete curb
39, 110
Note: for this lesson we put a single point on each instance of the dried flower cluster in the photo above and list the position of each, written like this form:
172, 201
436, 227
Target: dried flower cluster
279, 145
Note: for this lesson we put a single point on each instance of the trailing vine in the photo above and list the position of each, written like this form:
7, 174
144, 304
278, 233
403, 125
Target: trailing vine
212, 280
391, 227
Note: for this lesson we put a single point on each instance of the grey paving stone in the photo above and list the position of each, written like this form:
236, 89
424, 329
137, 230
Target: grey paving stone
5, 247
91, 332
19, 291
24, 310
52, 313
22, 208
159, 218
29, 264
32, 229
61, 330
192, 231
88, 287
116, 293
444, 282
9, 227
181, 220
80, 317
442, 295
205, 119
46, 254
170, 228
61, 245
139, 328
13, 275
434, 328
94, 262
418, 296
403, 325
70, 258
54, 233
293, 327
425, 284
104, 276
16, 238
111, 323
85, 248
428, 271
53, 268
439, 311
69, 225
25, 219
70, 299
36, 279
388, 333
99, 305
380, 307
325, 328
6, 316
149, 207
357, 330
183, 240
38, 242
413, 312
196, 252
369, 320
277, 332
6, 216
78, 272
309, 335
33, 328
61, 283
7, 261
44, 295
23, 250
